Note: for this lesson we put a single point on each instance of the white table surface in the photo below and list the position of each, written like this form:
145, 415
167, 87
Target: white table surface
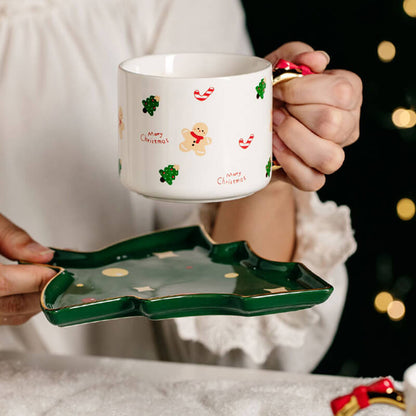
41, 384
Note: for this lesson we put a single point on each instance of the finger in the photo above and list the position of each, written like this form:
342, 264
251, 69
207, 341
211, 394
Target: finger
294, 169
16, 244
27, 304
16, 279
288, 51
16, 319
302, 54
317, 61
327, 122
354, 79
317, 153
335, 89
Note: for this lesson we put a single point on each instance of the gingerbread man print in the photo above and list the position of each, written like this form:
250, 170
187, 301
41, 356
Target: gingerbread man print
195, 139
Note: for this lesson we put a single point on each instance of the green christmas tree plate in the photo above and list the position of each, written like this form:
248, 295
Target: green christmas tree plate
174, 273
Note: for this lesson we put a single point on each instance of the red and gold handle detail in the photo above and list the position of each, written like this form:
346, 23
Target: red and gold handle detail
382, 391
285, 71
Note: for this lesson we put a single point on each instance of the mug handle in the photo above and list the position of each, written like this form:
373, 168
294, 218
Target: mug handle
284, 71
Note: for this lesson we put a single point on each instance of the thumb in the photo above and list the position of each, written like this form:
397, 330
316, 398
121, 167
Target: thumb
302, 54
16, 244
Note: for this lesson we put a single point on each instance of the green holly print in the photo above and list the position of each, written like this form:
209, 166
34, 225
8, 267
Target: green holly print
150, 104
119, 166
260, 89
169, 174
269, 167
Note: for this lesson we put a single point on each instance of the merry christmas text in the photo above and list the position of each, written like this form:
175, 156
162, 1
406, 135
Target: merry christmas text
154, 138
231, 178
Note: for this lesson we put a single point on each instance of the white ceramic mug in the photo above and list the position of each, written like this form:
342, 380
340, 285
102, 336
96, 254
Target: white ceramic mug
409, 387
195, 127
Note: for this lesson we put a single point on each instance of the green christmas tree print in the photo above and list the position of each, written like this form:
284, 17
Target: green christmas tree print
150, 104
169, 174
260, 89
268, 167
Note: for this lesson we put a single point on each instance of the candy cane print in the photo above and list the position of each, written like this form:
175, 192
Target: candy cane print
205, 95
244, 144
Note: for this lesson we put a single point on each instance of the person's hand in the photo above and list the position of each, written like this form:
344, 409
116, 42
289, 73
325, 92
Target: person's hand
314, 117
20, 285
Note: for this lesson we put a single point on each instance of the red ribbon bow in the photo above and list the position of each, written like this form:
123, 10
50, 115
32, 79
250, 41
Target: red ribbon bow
361, 395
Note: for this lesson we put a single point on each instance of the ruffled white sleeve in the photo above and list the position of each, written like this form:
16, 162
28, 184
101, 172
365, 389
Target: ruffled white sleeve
293, 341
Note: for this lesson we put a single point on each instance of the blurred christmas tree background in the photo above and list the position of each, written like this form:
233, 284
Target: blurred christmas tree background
376, 40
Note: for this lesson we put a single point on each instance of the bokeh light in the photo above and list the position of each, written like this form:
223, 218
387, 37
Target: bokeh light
396, 310
409, 6
382, 301
386, 51
404, 118
405, 209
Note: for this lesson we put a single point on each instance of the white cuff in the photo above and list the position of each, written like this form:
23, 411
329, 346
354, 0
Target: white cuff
324, 240
324, 234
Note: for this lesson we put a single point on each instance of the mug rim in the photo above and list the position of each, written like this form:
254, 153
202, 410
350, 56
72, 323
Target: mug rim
123, 65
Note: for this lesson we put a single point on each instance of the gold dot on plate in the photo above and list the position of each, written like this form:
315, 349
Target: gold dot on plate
79, 285
280, 289
88, 300
115, 272
231, 275
165, 254
143, 289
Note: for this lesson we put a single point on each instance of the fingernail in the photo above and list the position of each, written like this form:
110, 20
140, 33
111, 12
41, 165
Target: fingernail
49, 272
278, 117
327, 57
37, 248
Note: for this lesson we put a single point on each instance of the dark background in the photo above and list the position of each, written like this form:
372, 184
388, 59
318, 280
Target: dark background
377, 173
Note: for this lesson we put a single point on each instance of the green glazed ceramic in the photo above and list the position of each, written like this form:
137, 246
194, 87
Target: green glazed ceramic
174, 273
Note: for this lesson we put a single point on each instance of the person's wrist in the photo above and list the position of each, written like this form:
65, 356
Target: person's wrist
279, 186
